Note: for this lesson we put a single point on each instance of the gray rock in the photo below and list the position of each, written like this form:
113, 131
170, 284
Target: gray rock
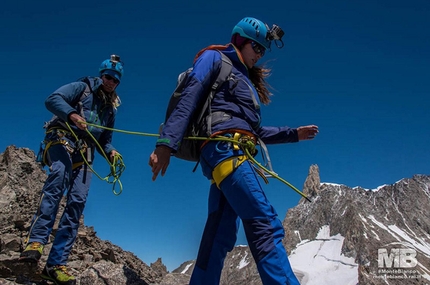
92, 260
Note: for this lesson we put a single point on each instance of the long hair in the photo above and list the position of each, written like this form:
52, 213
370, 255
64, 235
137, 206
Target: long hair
258, 75
110, 98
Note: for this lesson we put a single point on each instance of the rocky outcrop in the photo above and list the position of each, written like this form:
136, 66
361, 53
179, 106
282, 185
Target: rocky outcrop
92, 260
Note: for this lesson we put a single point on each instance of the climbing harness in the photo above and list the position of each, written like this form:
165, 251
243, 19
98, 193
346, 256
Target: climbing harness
240, 140
117, 166
42, 157
246, 143
226, 167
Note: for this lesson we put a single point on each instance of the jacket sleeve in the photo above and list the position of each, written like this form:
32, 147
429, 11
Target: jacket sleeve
204, 72
276, 135
61, 103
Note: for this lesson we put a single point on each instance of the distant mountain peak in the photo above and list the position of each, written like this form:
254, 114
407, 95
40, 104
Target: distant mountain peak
374, 225
312, 184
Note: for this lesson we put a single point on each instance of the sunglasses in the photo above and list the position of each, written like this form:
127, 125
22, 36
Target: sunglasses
111, 78
258, 48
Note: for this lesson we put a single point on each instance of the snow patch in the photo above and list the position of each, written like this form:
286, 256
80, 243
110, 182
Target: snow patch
324, 233
322, 262
297, 233
332, 184
186, 268
378, 188
421, 245
243, 262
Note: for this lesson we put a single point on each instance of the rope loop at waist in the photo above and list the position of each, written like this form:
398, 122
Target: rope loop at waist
242, 137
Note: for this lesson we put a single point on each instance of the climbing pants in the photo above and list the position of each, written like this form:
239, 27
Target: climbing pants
61, 179
239, 196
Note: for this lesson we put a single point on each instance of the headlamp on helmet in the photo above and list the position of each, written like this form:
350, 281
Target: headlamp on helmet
276, 34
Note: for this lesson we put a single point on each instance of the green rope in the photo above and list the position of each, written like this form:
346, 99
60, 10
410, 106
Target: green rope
247, 146
275, 175
120, 131
117, 167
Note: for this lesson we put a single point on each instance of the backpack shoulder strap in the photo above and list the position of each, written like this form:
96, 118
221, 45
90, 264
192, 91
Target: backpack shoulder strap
225, 71
91, 84
223, 75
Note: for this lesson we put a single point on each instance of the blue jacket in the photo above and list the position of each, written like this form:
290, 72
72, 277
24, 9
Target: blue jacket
234, 98
66, 100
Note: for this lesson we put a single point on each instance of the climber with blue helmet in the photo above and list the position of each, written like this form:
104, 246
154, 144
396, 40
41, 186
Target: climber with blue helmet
69, 150
235, 193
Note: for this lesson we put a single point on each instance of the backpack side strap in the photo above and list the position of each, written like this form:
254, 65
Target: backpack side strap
223, 75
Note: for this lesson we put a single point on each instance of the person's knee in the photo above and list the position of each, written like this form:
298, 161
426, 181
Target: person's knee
262, 236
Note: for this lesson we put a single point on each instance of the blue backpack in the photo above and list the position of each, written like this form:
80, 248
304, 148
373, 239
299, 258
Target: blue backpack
189, 149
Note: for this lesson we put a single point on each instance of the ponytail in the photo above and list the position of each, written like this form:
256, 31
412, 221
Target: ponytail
258, 76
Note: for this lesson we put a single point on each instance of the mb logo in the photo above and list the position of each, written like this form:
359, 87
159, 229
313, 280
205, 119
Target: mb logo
397, 258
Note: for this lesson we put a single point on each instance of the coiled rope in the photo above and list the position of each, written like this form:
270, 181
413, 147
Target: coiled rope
117, 165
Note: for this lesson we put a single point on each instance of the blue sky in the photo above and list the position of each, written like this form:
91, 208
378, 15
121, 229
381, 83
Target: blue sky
360, 70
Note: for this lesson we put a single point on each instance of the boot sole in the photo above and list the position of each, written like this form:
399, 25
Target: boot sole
47, 278
28, 259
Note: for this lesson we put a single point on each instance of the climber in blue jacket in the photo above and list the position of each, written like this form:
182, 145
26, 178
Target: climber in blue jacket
235, 192
68, 150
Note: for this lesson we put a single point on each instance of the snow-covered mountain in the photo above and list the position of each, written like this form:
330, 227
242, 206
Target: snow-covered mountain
383, 234
349, 236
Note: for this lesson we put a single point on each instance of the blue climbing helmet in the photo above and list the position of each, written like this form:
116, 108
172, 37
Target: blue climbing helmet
256, 30
113, 66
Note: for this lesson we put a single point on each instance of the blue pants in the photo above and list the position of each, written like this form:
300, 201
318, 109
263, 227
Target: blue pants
61, 178
240, 196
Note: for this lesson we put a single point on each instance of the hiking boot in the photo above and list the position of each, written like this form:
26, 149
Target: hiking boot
59, 275
32, 252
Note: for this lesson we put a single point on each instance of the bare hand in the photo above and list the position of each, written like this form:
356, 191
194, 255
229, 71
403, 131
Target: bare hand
112, 155
78, 121
307, 132
159, 160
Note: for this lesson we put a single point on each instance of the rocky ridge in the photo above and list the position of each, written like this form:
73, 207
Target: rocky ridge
92, 260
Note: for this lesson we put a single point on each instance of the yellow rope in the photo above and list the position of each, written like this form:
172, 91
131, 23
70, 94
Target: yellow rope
246, 147
117, 167
120, 131
275, 175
